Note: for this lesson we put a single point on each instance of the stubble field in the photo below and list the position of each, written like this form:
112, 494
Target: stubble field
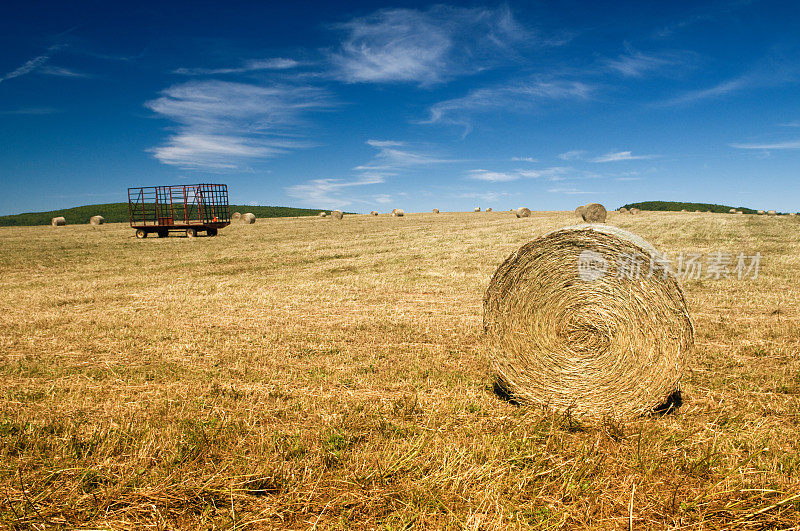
312, 373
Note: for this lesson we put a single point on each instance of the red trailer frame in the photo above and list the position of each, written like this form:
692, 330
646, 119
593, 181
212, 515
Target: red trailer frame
189, 208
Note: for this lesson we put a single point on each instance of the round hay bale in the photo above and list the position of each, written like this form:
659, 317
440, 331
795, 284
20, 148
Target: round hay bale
58, 221
337, 214
477, 209
236, 216
569, 331
760, 212
435, 210
732, 211
398, 212
248, 218
523, 212
489, 209
594, 213
697, 212
97, 220
635, 210
373, 213
579, 212
623, 210
322, 214
771, 213
739, 212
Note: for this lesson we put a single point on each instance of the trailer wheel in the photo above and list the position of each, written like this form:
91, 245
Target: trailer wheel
163, 234
191, 233
211, 232
141, 233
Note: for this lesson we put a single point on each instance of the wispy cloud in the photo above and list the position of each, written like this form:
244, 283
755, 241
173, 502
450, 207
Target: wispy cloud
790, 124
40, 64
523, 159
328, 192
394, 155
254, 65
790, 144
513, 97
634, 63
32, 111
569, 191
222, 125
425, 46
26, 68
621, 155
488, 197
720, 89
556, 173
575, 154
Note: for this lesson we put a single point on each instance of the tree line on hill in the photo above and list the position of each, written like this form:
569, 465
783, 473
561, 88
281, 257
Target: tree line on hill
118, 213
674, 206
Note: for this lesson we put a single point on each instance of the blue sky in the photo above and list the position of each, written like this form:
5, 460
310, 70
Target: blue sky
408, 105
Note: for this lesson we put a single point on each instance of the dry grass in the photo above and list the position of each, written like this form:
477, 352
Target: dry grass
339, 380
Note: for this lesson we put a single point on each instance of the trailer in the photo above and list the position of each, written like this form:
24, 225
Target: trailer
187, 208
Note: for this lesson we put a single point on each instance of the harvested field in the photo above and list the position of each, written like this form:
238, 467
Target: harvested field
294, 374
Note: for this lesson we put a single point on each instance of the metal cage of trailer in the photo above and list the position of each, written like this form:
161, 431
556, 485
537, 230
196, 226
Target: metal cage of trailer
188, 208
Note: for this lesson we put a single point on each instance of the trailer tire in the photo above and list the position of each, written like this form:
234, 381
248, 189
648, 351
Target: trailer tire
191, 233
211, 232
163, 234
141, 233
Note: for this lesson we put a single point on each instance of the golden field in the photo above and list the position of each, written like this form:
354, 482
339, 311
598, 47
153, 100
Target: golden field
308, 373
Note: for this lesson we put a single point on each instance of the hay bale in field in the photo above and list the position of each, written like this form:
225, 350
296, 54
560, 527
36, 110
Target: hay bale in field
337, 214
489, 209
236, 216
477, 209
249, 218
373, 213
579, 212
732, 211
697, 212
623, 210
523, 212
594, 213
739, 212
435, 210
322, 214
568, 330
760, 212
792, 213
97, 220
684, 210
635, 210
398, 212
58, 221
771, 213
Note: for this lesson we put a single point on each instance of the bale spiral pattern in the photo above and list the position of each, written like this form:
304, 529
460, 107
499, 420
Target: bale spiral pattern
608, 347
523, 212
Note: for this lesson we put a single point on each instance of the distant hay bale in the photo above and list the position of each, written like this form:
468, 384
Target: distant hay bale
569, 331
97, 220
684, 210
322, 214
58, 221
337, 214
696, 211
792, 213
236, 216
579, 211
249, 218
635, 210
732, 211
477, 209
760, 212
398, 212
739, 212
623, 210
523, 212
771, 213
489, 209
594, 213
373, 213
435, 210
